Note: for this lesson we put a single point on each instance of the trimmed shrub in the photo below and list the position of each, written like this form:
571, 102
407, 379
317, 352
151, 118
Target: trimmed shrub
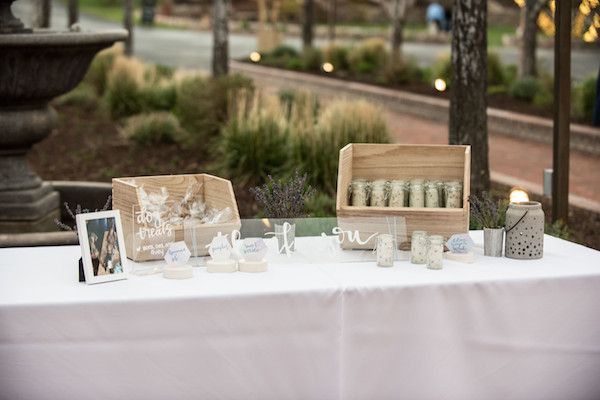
336, 55
495, 70
84, 95
312, 59
254, 144
368, 56
159, 97
284, 51
442, 69
496, 75
588, 98
203, 104
525, 88
97, 74
123, 91
403, 73
153, 128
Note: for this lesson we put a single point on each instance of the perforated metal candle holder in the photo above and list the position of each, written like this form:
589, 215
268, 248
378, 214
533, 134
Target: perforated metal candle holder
524, 231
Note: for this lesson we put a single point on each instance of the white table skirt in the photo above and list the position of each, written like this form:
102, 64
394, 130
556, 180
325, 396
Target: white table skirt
496, 329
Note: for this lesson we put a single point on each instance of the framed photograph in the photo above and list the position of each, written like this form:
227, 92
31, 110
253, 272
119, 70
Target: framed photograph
102, 246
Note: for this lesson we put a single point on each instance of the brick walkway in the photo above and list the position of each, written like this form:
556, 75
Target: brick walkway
511, 158
513, 162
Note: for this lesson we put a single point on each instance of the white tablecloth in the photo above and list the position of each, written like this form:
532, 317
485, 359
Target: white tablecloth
496, 329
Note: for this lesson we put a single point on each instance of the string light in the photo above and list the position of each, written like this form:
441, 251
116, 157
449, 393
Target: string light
585, 24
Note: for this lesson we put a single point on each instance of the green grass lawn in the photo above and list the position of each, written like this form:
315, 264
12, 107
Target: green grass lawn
102, 9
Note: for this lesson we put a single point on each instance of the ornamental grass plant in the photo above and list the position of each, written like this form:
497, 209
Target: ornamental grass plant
316, 150
124, 85
153, 128
254, 143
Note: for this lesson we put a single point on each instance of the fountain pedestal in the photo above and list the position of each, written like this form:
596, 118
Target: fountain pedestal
26, 203
35, 67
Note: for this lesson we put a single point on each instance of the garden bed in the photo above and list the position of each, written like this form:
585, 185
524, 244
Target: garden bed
370, 62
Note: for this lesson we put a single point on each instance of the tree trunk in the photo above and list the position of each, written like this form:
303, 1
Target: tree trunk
331, 19
46, 13
128, 25
596, 115
527, 62
468, 98
397, 12
73, 12
308, 22
397, 39
220, 60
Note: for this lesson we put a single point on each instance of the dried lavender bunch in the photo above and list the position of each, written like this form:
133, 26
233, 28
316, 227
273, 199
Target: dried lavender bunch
487, 212
284, 199
79, 210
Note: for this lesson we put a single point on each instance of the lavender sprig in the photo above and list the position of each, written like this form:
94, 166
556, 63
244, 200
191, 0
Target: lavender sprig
79, 210
487, 212
283, 199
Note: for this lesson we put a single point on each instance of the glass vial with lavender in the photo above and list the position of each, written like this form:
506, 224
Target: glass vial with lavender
398, 193
453, 194
418, 247
435, 251
358, 192
378, 193
417, 193
432, 198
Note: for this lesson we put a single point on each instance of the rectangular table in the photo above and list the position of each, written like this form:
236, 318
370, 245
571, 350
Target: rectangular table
498, 328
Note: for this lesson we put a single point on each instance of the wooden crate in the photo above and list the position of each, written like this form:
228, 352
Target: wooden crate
216, 192
399, 161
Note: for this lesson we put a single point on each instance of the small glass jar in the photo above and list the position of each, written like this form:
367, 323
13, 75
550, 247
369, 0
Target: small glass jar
358, 189
432, 198
418, 247
398, 193
435, 251
378, 193
440, 189
417, 193
453, 194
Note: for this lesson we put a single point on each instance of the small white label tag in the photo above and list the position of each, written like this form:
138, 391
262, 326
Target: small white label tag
220, 249
177, 254
460, 243
254, 249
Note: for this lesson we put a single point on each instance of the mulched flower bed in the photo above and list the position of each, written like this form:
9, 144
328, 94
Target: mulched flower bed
86, 146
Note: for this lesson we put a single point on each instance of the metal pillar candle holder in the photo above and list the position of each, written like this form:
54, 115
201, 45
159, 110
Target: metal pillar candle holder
493, 239
524, 231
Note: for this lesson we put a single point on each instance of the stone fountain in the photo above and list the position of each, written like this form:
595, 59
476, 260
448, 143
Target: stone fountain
35, 67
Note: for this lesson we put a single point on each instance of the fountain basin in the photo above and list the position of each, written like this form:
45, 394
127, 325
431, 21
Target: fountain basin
36, 67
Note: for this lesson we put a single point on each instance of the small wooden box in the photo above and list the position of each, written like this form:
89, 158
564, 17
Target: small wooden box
214, 191
399, 161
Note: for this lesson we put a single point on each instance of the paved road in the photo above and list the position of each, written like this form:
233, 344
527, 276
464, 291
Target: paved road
192, 49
